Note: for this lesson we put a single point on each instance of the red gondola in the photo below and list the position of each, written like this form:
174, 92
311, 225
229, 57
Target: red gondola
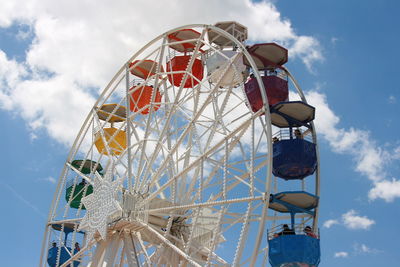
180, 63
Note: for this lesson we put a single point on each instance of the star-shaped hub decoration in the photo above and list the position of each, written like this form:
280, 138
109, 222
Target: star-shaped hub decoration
100, 205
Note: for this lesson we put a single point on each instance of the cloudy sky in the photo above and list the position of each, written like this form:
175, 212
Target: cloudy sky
56, 56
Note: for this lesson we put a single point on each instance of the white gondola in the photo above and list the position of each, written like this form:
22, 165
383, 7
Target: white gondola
228, 65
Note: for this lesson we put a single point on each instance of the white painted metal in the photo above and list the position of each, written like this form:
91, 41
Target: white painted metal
196, 173
112, 250
98, 257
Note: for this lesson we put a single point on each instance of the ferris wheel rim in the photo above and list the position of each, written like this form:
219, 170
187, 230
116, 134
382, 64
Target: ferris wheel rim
315, 141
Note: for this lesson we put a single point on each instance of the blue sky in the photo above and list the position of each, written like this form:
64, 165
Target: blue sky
55, 59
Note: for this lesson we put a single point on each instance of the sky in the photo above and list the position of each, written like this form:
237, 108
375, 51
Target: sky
56, 56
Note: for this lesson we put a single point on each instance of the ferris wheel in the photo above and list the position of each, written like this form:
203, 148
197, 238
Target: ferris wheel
193, 155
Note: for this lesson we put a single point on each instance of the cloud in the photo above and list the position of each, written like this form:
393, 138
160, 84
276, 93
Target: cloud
11, 74
364, 249
330, 223
49, 179
396, 153
351, 220
305, 47
76, 51
357, 249
24, 33
392, 99
55, 104
341, 254
386, 189
371, 160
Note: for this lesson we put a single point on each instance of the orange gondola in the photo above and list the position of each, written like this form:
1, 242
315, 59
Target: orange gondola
140, 99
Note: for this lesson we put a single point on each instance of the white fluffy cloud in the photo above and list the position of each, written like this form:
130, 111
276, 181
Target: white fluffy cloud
351, 220
371, 160
11, 74
330, 223
78, 46
56, 104
305, 47
341, 254
386, 189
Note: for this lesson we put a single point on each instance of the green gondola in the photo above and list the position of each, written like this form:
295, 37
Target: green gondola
86, 166
78, 194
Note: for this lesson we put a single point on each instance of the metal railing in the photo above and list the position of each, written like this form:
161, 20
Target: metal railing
284, 134
138, 82
299, 229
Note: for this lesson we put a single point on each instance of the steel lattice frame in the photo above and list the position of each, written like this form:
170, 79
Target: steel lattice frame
197, 170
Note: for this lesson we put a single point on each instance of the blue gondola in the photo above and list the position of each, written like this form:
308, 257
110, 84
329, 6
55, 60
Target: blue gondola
294, 159
64, 256
294, 250
63, 251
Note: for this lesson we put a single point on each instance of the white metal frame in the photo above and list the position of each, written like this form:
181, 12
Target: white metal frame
217, 216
